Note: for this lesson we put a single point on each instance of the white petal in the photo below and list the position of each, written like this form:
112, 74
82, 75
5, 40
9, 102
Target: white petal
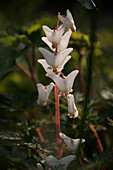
42, 94
72, 144
63, 19
66, 160
65, 61
59, 82
73, 112
63, 136
58, 33
60, 164
47, 31
54, 35
62, 45
59, 59
48, 56
49, 89
64, 85
68, 21
52, 161
55, 60
43, 63
48, 43
69, 15
46, 67
70, 79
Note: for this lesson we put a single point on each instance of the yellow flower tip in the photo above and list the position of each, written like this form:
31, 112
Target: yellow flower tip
73, 29
70, 90
47, 74
42, 102
54, 44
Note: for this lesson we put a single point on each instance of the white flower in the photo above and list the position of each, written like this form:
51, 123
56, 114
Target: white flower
55, 60
43, 93
65, 85
60, 164
73, 112
49, 69
55, 35
71, 144
62, 44
68, 21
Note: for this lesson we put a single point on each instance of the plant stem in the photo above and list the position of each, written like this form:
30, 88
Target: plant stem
59, 150
96, 135
39, 134
80, 74
23, 70
34, 71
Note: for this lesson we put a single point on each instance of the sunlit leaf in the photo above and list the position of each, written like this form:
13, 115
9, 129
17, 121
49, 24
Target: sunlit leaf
9, 41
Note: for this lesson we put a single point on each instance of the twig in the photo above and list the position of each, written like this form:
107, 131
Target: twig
39, 134
96, 135
23, 70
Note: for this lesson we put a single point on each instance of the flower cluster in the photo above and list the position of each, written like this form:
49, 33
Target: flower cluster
54, 62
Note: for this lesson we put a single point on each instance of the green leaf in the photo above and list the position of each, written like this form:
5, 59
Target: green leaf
31, 35
7, 59
110, 121
7, 56
9, 41
24, 39
89, 4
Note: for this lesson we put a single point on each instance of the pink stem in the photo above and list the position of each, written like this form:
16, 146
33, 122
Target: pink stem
59, 150
57, 23
61, 74
23, 70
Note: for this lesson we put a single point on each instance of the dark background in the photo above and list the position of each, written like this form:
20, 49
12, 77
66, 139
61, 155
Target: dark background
25, 10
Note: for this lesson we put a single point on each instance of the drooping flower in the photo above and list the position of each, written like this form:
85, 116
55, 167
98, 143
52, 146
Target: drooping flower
72, 110
49, 69
62, 44
68, 21
65, 85
55, 35
71, 144
53, 60
43, 93
60, 164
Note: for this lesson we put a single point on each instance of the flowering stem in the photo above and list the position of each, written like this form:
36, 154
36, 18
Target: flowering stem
59, 150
